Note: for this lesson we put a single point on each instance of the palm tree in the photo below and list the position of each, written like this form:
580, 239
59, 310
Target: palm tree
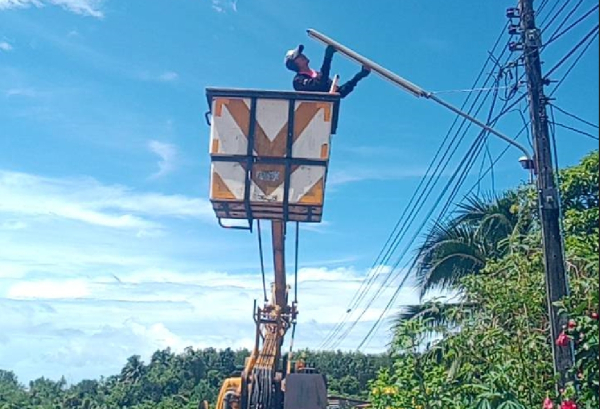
449, 253
461, 246
133, 370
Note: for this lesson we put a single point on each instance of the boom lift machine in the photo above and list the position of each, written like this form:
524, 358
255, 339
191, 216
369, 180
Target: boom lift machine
269, 157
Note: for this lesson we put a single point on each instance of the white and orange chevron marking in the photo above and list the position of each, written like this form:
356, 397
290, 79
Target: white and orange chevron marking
311, 134
310, 140
267, 183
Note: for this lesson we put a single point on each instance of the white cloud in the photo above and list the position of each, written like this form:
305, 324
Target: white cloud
21, 92
72, 280
4, 46
87, 201
10, 271
222, 6
216, 5
357, 174
6, 4
140, 311
83, 7
167, 153
12, 225
48, 289
168, 76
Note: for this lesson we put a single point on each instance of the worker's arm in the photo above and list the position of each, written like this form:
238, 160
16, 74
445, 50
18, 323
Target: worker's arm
348, 87
326, 67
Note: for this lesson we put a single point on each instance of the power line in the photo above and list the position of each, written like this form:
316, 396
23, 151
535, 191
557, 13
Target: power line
571, 26
575, 130
495, 161
262, 261
416, 258
385, 282
383, 285
581, 54
573, 10
412, 216
372, 277
476, 146
541, 7
524, 120
593, 32
393, 237
470, 90
469, 160
525, 127
543, 23
574, 116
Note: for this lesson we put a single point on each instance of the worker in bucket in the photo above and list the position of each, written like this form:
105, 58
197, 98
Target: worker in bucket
307, 79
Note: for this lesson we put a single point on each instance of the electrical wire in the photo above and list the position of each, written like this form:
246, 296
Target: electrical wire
481, 168
558, 13
541, 7
414, 210
559, 109
573, 10
415, 259
543, 22
574, 64
296, 262
366, 284
383, 285
450, 91
469, 159
489, 156
576, 130
571, 26
476, 147
383, 254
525, 127
593, 32
495, 161
262, 260
409, 266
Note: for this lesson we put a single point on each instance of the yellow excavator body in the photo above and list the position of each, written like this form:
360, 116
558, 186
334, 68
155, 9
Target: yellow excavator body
229, 394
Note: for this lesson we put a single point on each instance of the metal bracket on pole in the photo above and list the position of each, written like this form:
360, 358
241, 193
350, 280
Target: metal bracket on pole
417, 91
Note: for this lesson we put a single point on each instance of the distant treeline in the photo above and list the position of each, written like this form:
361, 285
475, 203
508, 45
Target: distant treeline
178, 381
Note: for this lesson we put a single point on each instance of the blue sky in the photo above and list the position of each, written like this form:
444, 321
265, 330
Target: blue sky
108, 244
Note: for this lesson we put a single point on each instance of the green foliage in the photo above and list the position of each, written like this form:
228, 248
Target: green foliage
176, 381
348, 373
464, 244
496, 354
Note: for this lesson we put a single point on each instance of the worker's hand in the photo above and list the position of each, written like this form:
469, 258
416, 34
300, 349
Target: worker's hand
365, 71
329, 51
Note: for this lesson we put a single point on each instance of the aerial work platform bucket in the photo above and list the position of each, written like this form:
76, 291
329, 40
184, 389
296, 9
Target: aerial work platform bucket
269, 153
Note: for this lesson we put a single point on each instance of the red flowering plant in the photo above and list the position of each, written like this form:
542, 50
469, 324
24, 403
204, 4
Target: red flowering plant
568, 404
580, 201
563, 340
582, 331
548, 404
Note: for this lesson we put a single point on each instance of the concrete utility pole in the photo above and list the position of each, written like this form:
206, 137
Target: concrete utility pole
548, 196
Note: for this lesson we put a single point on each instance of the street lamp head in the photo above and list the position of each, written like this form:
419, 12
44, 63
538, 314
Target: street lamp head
526, 162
